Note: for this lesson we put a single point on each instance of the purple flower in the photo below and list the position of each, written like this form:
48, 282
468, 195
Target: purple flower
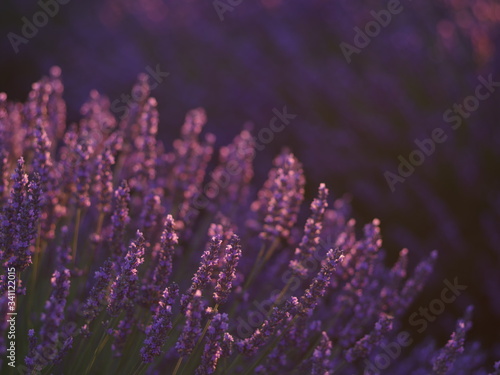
227, 275
317, 289
123, 331
20, 220
99, 292
209, 261
188, 163
416, 283
389, 293
26, 228
192, 328
63, 251
51, 336
367, 343
124, 288
119, 220
103, 181
10, 215
443, 362
42, 160
265, 332
321, 361
32, 345
281, 197
164, 257
312, 230
213, 351
150, 212
234, 172
157, 332
83, 174
341, 313
144, 163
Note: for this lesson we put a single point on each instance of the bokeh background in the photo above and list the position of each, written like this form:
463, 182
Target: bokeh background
353, 119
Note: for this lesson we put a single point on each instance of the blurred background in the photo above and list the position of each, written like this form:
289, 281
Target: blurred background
241, 59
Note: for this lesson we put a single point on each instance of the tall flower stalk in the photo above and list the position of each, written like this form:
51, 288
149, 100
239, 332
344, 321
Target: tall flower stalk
166, 284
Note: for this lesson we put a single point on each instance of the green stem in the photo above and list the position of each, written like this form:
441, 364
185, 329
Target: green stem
233, 364
339, 367
100, 221
36, 260
102, 342
91, 257
259, 263
254, 268
177, 366
272, 249
139, 368
75, 233
193, 355
101, 345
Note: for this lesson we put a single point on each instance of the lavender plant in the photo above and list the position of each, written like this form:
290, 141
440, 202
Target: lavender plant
120, 268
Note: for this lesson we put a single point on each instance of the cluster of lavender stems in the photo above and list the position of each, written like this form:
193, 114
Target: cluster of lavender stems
120, 269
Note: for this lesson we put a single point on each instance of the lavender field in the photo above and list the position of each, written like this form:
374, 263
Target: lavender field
250, 187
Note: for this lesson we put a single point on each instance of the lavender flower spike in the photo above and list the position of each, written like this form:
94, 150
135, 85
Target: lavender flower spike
202, 276
42, 161
98, 292
416, 283
29, 360
192, 328
82, 177
214, 344
103, 183
443, 363
365, 345
286, 192
120, 219
312, 231
52, 319
227, 275
26, 225
261, 336
124, 288
156, 333
318, 286
169, 241
10, 213
321, 362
